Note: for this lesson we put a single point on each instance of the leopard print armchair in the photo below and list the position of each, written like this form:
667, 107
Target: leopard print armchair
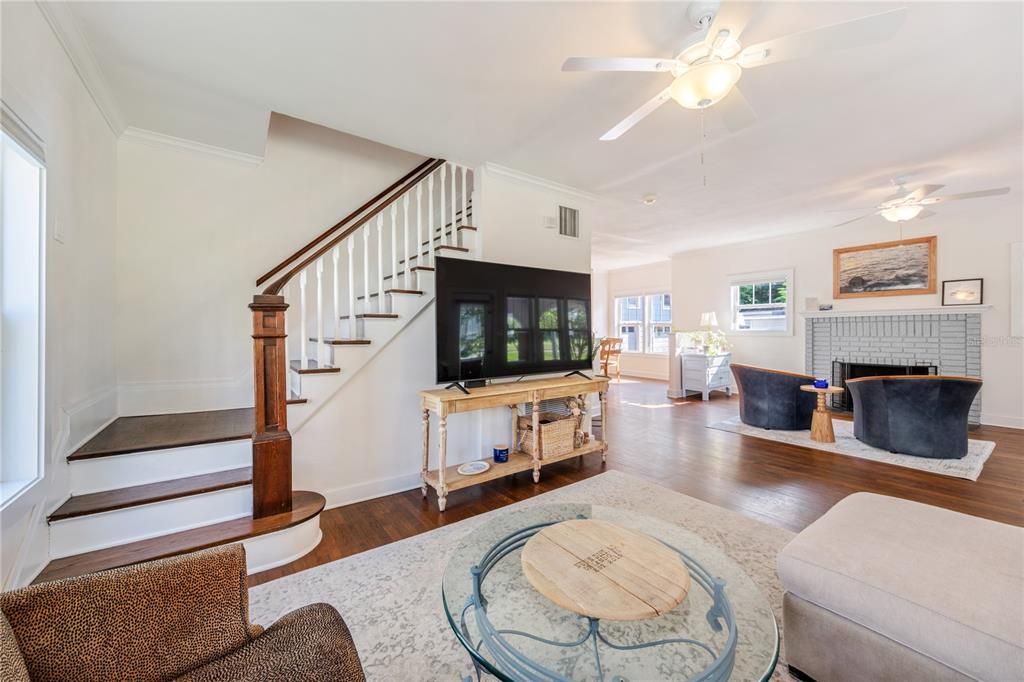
181, 618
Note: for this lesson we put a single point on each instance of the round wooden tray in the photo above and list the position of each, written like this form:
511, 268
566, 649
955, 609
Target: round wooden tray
602, 570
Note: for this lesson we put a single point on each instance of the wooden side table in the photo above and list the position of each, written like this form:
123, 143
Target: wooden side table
821, 422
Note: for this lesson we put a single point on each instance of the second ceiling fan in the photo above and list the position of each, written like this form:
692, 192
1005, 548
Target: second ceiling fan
711, 64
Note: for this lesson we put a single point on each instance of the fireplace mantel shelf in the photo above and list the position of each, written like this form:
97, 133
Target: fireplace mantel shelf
935, 310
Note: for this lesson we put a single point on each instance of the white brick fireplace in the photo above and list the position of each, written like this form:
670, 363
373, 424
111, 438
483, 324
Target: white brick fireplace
947, 339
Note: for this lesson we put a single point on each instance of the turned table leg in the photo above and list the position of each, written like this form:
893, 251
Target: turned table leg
603, 396
442, 446
426, 451
821, 423
536, 438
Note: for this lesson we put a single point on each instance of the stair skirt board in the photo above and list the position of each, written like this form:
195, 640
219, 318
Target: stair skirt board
91, 532
271, 550
152, 466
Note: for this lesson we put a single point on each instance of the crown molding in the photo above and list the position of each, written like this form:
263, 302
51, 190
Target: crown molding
152, 137
528, 179
65, 27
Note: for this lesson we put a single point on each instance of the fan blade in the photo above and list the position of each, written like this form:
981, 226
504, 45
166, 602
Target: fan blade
923, 191
852, 208
925, 214
735, 111
966, 195
866, 31
732, 17
638, 115
619, 64
866, 215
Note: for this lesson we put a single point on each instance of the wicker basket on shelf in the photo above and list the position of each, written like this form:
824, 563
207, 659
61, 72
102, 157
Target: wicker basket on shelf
557, 432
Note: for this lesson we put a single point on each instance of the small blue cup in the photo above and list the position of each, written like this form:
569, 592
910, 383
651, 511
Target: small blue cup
821, 383
500, 453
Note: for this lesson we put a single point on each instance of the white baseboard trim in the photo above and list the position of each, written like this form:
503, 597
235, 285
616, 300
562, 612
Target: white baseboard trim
359, 492
186, 395
640, 374
1009, 421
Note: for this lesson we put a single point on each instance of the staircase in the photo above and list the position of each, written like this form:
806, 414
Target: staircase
153, 486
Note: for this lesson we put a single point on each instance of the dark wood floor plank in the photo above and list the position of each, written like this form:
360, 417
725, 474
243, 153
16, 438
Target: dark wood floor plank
122, 498
668, 442
306, 505
162, 431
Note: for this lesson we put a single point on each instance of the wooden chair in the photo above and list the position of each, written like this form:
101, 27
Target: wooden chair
608, 356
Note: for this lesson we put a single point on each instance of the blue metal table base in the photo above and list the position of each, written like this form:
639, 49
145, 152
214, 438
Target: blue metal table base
510, 661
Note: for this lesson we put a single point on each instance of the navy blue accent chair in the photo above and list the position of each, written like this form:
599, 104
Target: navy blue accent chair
924, 416
772, 399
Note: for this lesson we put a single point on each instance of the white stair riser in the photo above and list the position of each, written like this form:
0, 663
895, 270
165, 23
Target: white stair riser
137, 468
264, 552
97, 531
467, 239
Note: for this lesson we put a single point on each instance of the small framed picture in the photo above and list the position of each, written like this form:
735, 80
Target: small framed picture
962, 291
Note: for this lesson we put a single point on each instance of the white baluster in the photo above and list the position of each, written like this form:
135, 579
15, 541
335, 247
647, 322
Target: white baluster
351, 287
405, 241
419, 228
303, 344
465, 195
394, 246
451, 235
321, 349
441, 193
335, 255
430, 221
380, 262
366, 268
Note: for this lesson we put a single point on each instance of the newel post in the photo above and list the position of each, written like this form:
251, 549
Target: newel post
271, 442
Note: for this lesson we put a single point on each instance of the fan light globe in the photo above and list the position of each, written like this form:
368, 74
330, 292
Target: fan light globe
897, 214
705, 84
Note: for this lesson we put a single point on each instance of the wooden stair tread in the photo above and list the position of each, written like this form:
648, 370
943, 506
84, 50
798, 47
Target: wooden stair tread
305, 505
442, 247
392, 291
373, 316
312, 367
122, 498
295, 399
161, 431
342, 342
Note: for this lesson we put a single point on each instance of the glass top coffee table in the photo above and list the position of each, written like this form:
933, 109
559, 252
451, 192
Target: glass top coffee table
723, 629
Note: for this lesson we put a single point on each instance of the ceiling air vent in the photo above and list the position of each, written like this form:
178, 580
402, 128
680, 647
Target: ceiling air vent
568, 222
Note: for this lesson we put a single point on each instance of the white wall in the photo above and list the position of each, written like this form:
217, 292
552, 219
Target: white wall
654, 278
194, 232
973, 241
43, 88
510, 208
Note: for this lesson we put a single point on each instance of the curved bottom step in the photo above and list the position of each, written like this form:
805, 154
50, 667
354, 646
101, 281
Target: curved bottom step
270, 541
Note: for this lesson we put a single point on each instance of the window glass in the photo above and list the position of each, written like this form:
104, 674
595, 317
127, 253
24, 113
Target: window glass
761, 305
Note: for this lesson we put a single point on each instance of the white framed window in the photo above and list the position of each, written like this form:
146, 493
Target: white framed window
762, 303
644, 322
22, 240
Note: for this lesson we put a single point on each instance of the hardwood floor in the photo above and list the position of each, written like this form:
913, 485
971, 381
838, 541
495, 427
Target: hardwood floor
666, 442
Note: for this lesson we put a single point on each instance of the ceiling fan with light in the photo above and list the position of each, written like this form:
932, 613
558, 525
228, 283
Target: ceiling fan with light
713, 59
904, 205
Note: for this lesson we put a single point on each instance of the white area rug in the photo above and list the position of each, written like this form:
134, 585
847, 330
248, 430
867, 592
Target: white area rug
968, 467
390, 597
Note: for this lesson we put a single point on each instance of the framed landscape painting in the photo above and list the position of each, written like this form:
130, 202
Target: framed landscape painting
899, 268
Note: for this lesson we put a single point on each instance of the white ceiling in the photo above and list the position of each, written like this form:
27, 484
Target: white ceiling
475, 82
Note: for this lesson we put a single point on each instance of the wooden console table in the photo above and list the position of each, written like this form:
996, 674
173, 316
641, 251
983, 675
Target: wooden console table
446, 478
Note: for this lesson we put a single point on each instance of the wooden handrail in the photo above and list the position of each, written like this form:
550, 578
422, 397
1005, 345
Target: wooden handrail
344, 221
276, 287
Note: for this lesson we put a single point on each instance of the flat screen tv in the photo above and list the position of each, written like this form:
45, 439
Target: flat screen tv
498, 320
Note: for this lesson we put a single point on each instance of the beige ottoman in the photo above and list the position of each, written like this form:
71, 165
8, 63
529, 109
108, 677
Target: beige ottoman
885, 589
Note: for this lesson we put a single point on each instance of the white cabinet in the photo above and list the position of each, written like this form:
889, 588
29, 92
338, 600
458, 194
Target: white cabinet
702, 373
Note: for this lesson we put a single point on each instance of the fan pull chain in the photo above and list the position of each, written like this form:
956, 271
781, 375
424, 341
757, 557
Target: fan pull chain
703, 170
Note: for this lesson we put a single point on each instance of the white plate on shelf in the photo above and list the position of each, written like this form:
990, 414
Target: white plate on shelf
473, 468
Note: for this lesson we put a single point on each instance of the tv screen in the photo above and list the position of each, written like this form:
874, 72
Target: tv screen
498, 320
